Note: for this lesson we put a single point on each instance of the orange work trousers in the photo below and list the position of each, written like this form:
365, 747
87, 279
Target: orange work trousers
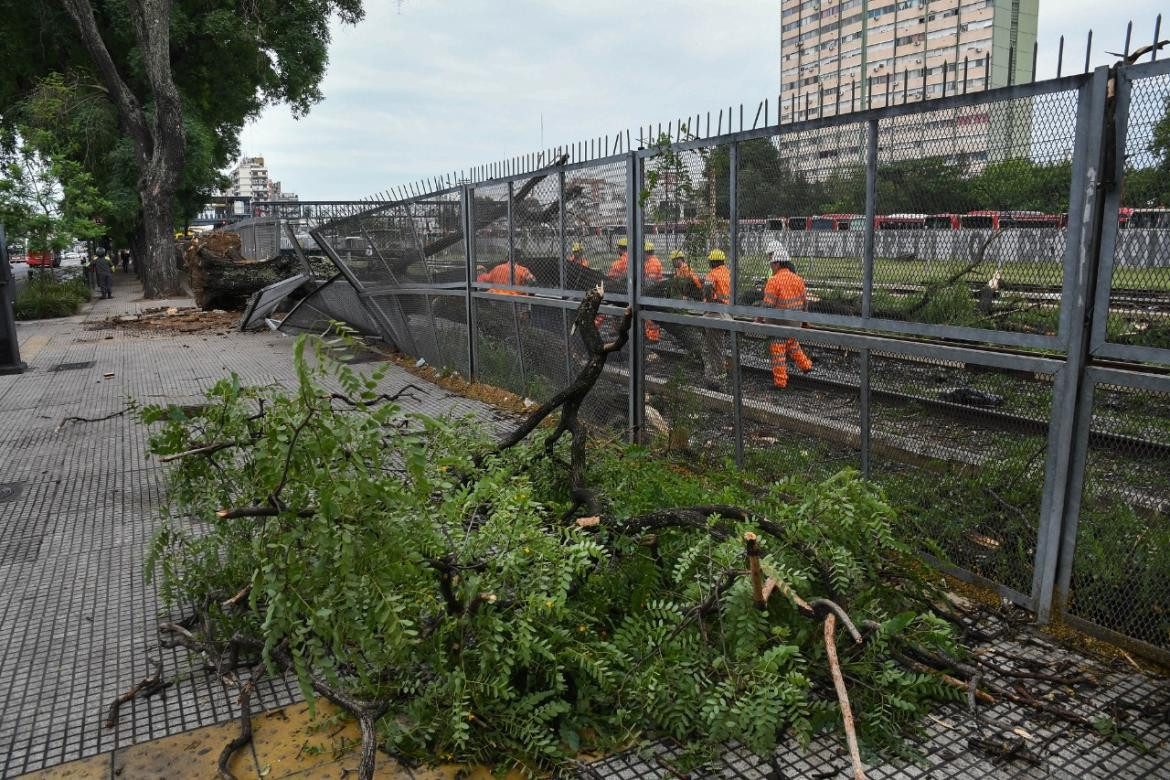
651, 329
781, 351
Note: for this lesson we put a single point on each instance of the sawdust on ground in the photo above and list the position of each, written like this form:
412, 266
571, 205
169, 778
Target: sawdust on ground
187, 319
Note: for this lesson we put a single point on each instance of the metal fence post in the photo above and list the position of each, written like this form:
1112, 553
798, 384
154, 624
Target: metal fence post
511, 261
561, 274
733, 228
468, 214
1056, 534
867, 250
867, 259
637, 404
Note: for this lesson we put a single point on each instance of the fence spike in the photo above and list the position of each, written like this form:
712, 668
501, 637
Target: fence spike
628, 142
1060, 56
1157, 33
719, 127
756, 121
1128, 36
1035, 55
945, 63
1088, 49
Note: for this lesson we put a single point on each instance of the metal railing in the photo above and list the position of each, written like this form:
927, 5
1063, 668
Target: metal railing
976, 377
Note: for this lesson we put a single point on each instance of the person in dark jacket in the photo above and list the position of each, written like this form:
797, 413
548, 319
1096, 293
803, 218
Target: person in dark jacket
125, 257
105, 272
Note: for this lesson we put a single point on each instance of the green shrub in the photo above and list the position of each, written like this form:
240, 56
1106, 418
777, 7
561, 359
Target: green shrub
45, 296
385, 560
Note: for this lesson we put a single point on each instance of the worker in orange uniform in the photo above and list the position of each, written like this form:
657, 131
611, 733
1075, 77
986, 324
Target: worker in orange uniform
502, 274
651, 272
577, 255
618, 269
716, 289
785, 290
685, 283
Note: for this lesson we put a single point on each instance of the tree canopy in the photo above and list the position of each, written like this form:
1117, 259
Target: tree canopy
71, 87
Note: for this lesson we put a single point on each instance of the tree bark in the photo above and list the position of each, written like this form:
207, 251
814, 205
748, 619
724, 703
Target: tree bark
159, 142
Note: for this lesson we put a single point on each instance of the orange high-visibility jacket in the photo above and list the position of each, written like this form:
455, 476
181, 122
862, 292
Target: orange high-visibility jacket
501, 274
719, 281
578, 260
651, 268
683, 271
618, 269
785, 290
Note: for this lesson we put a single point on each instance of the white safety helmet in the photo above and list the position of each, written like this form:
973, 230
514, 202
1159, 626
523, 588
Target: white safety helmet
775, 251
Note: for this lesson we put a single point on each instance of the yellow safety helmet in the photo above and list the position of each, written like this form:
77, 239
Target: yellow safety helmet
716, 256
623, 243
648, 246
577, 247
678, 254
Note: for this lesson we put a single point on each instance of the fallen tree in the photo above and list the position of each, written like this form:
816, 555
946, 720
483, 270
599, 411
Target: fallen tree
222, 278
487, 602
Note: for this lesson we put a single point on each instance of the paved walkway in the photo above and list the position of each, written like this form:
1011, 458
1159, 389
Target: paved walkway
79, 502
76, 617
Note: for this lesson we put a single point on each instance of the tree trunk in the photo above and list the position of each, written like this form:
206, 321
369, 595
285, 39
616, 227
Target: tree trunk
159, 270
159, 139
137, 239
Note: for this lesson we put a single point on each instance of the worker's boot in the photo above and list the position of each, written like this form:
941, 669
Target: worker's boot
779, 365
798, 356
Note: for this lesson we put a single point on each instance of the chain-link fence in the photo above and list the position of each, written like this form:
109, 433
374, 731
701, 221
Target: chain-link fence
904, 291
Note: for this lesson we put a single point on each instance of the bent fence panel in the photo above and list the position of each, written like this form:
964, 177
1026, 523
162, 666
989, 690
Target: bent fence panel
945, 362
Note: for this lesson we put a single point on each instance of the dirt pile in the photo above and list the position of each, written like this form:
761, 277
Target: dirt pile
188, 319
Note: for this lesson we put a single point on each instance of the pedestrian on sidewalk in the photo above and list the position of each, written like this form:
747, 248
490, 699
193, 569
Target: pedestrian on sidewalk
125, 255
87, 270
105, 273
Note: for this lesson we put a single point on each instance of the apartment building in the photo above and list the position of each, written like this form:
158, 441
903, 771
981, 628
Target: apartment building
249, 178
838, 56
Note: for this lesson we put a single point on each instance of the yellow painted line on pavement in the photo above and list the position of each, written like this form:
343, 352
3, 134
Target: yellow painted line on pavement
32, 345
286, 743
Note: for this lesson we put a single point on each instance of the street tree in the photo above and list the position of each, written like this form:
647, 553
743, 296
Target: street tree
154, 94
50, 202
1147, 182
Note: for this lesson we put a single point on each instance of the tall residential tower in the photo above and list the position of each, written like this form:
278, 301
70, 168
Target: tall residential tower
837, 56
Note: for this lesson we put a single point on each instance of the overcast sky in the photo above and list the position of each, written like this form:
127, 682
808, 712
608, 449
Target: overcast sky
424, 87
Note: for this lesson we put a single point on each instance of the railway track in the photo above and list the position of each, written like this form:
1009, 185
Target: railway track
1008, 422
1121, 300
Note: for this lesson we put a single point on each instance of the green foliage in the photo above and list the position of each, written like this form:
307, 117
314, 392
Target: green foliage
981, 517
1148, 186
229, 61
499, 633
44, 296
48, 200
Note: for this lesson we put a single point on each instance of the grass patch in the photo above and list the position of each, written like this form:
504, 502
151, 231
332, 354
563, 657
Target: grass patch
45, 296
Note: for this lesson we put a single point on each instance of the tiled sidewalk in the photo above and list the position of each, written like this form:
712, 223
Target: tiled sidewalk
77, 618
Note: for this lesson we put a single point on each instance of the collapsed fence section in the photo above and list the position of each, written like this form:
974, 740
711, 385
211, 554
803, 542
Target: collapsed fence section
953, 359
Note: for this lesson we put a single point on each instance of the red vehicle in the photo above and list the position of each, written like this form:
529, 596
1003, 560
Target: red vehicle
900, 222
43, 258
1146, 218
837, 222
942, 222
996, 220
